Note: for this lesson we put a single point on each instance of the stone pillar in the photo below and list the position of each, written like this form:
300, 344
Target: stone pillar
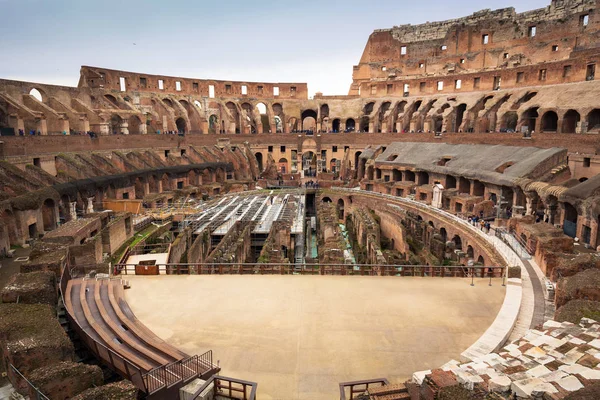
90, 205
73, 211
143, 128
124, 127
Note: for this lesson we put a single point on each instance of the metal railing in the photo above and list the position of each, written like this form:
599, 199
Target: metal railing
31, 389
229, 388
181, 371
162, 377
442, 271
359, 387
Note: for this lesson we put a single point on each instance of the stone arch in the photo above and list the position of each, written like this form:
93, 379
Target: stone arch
368, 108
309, 120
326, 200
166, 182
364, 124
278, 124
356, 159
293, 124
37, 94
134, 125
458, 243
213, 124
509, 121
264, 117
549, 122
115, 123
570, 121
460, 114
340, 209
234, 124
139, 188
470, 252
194, 117
181, 125
220, 175
570, 220
259, 161
350, 125
324, 111
49, 214
529, 118
335, 125
480, 260
593, 120
444, 234
283, 165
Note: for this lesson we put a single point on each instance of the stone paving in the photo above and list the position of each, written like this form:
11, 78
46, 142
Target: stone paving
552, 362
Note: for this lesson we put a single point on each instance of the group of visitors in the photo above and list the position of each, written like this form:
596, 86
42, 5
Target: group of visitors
158, 132
311, 185
477, 221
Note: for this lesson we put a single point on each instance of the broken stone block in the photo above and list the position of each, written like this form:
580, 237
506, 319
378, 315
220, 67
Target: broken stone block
65, 379
499, 384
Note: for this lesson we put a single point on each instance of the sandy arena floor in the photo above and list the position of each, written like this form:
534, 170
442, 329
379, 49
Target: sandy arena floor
299, 336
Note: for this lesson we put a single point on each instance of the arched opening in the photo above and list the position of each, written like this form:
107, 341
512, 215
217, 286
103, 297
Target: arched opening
570, 121
278, 124
326, 200
293, 124
444, 234
36, 94
593, 120
457, 242
115, 124
409, 176
309, 163
431, 224
259, 161
350, 125
370, 173
437, 123
340, 209
368, 108
198, 104
450, 182
153, 184
168, 102
364, 124
530, 118
283, 165
49, 215
570, 223
581, 180
181, 125
139, 189
309, 120
470, 252
213, 124
324, 111
335, 125
509, 121
264, 118
356, 158
396, 175
478, 188
134, 125
549, 122
235, 118
460, 114
165, 182
220, 175
480, 260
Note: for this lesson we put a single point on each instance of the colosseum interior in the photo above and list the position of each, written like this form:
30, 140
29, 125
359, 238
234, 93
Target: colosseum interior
433, 234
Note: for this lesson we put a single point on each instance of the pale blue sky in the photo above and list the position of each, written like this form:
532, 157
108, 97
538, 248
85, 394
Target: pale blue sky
313, 41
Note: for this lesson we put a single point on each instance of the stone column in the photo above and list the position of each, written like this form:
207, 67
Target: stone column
90, 205
73, 210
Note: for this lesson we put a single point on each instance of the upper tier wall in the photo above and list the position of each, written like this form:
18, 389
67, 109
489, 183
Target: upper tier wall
96, 77
565, 32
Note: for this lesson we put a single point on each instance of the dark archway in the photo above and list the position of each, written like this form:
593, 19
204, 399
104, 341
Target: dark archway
364, 124
570, 121
259, 161
570, 222
134, 125
549, 122
530, 118
115, 124
457, 242
340, 209
593, 120
460, 114
510, 121
444, 234
335, 125
309, 120
326, 200
350, 125
49, 215
470, 252
181, 125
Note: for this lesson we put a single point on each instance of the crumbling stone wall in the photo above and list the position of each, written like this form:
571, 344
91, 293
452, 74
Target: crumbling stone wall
64, 380
33, 288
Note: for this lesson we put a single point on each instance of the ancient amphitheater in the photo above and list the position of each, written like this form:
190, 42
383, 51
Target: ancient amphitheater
434, 234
